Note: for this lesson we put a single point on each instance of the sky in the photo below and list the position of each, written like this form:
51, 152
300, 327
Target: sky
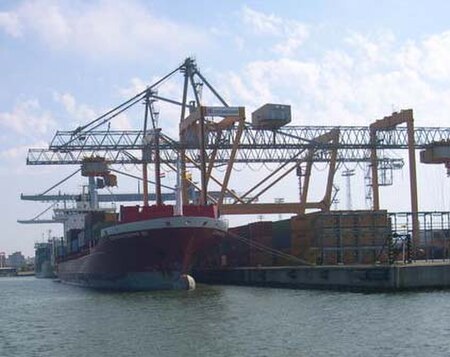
336, 62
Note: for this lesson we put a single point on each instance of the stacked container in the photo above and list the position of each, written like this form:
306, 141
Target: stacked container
92, 220
282, 241
330, 238
302, 239
261, 235
352, 237
236, 251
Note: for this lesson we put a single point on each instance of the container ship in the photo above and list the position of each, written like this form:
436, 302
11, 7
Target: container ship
43, 264
142, 248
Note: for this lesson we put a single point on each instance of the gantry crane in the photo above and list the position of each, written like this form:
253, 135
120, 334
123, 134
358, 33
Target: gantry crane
389, 123
218, 135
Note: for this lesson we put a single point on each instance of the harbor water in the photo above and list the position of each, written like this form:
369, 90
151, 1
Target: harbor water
40, 317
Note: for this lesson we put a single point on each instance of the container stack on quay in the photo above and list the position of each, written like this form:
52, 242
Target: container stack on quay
261, 234
330, 238
351, 237
231, 252
303, 238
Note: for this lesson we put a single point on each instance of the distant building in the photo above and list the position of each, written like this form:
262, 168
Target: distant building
16, 260
2, 260
30, 261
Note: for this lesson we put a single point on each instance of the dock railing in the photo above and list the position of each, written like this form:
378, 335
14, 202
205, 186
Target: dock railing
434, 235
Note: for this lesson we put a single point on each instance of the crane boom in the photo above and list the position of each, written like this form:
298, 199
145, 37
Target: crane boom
123, 147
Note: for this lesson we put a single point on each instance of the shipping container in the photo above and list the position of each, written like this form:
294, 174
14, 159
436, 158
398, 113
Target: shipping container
81, 239
129, 214
344, 237
329, 257
74, 246
261, 231
154, 211
368, 256
279, 260
192, 210
111, 217
351, 256
260, 258
281, 234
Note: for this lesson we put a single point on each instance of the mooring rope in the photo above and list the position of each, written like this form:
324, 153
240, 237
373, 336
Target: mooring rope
267, 249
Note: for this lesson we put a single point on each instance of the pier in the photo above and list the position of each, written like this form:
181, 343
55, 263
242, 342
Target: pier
375, 278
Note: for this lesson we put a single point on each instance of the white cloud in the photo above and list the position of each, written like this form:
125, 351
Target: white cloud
373, 49
353, 85
290, 34
96, 29
10, 23
436, 55
47, 20
14, 153
410, 57
136, 86
81, 113
261, 23
27, 118
12, 158
275, 81
121, 122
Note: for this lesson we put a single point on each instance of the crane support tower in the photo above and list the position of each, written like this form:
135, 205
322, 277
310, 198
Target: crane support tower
390, 123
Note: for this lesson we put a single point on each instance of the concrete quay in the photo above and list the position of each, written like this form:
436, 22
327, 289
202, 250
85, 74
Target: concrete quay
373, 278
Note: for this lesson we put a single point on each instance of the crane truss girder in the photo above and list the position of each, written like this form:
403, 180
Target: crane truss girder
48, 157
256, 146
288, 137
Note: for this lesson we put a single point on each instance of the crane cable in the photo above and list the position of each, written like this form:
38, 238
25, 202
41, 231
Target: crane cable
104, 118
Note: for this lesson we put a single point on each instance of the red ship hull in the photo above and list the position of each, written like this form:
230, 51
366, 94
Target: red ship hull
154, 254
